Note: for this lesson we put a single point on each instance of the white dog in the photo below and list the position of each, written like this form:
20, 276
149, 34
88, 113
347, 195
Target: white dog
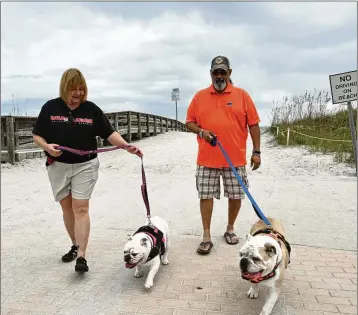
263, 259
148, 245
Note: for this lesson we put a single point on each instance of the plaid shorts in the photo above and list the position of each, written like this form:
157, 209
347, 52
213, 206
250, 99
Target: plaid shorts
208, 182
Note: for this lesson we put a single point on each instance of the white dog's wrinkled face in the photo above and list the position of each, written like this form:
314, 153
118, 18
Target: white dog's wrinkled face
259, 255
136, 250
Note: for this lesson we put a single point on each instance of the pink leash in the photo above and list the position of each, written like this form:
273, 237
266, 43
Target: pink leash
144, 182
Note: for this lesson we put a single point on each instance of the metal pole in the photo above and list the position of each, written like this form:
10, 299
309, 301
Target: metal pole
176, 115
353, 133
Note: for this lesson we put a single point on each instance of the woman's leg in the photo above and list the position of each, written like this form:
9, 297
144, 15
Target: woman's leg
68, 217
82, 224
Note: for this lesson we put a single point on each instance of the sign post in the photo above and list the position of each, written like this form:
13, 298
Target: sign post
344, 89
176, 98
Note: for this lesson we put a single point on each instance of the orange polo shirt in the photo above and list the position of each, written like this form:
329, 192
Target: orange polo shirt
228, 116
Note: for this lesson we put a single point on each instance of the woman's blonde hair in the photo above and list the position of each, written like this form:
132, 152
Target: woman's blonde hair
71, 78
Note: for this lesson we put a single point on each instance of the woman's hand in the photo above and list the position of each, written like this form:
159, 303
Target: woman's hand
134, 150
51, 149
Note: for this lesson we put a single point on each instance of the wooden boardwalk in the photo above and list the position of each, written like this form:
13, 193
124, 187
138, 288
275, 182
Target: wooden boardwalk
17, 143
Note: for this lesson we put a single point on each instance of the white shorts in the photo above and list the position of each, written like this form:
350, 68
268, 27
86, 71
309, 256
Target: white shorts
79, 179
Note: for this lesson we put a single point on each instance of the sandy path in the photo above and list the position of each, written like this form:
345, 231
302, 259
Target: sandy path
314, 197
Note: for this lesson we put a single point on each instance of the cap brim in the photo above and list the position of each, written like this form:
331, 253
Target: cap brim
221, 66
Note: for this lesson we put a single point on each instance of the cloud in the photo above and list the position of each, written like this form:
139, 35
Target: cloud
133, 54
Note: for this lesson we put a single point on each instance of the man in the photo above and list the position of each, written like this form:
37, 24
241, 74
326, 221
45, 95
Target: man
227, 112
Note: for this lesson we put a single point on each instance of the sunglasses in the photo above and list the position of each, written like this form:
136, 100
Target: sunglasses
219, 71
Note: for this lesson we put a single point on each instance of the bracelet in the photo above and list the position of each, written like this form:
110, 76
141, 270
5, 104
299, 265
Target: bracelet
256, 152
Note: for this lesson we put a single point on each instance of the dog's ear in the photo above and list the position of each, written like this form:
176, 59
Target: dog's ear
270, 250
247, 237
143, 242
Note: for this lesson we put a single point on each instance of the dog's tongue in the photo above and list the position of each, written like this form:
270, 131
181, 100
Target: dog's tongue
130, 266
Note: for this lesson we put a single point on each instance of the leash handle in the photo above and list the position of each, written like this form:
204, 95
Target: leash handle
253, 202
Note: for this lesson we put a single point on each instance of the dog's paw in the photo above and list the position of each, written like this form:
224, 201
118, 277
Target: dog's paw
138, 274
148, 284
252, 294
165, 261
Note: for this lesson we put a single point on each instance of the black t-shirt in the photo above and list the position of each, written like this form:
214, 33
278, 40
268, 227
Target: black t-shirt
76, 129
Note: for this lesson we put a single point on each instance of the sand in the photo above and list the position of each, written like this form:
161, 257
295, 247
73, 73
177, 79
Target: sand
314, 197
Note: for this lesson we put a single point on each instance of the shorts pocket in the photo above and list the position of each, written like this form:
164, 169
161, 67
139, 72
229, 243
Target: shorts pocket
197, 178
244, 177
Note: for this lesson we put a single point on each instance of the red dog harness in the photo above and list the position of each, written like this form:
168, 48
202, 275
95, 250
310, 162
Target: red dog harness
257, 276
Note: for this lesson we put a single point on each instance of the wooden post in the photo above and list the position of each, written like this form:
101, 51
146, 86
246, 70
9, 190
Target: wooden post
139, 127
148, 130
161, 124
16, 136
116, 121
277, 131
155, 124
129, 130
288, 135
10, 139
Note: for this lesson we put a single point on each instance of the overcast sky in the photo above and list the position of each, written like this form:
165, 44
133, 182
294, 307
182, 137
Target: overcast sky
134, 54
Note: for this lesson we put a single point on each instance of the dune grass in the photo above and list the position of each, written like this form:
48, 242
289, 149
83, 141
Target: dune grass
311, 114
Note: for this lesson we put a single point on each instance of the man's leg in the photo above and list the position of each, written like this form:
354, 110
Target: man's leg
234, 192
206, 210
234, 206
208, 187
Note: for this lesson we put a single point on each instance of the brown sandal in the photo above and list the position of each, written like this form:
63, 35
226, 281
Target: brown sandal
231, 238
202, 249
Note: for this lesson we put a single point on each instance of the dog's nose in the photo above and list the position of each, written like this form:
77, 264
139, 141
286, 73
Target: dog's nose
127, 258
244, 263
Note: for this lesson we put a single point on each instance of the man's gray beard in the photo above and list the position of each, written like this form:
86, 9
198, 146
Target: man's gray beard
220, 86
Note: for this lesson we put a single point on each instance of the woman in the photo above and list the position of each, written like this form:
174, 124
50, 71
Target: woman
72, 121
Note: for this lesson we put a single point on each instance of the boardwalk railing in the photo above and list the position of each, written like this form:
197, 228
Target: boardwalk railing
17, 143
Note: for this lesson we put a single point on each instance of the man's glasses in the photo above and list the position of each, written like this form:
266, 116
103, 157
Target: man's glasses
219, 71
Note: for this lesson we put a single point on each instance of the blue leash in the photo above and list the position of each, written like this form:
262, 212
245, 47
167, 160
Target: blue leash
253, 202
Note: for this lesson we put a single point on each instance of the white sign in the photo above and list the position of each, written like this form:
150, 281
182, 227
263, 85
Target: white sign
343, 87
175, 94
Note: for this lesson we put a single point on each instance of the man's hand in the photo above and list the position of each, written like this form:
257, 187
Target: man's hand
208, 135
51, 149
255, 161
134, 150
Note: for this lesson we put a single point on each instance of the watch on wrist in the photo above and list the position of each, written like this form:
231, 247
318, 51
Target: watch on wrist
201, 133
256, 152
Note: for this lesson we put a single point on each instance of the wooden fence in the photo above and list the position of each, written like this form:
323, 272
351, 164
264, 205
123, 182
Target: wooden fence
17, 142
